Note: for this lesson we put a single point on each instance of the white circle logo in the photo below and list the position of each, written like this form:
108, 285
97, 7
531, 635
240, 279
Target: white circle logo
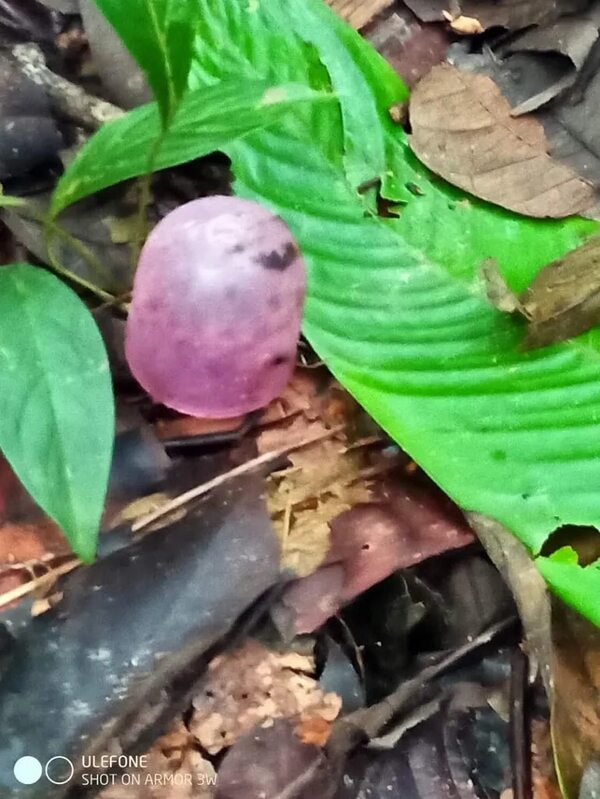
62, 773
27, 770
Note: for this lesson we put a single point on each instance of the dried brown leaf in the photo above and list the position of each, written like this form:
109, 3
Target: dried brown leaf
359, 12
463, 130
253, 686
576, 701
561, 302
323, 479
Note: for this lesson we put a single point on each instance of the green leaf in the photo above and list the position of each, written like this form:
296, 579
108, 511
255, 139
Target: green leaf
56, 404
159, 34
395, 306
578, 586
206, 120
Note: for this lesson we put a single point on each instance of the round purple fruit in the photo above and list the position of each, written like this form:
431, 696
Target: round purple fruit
216, 310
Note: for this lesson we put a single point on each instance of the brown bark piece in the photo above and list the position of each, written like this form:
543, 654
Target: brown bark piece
359, 13
463, 130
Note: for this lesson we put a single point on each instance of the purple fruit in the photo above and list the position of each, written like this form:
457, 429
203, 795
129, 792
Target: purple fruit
216, 310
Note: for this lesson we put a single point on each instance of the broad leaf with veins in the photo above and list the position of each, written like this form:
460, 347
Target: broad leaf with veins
396, 307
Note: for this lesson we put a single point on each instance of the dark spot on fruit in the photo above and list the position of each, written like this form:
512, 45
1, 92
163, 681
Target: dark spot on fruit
277, 260
279, 360
237, 248
274, 302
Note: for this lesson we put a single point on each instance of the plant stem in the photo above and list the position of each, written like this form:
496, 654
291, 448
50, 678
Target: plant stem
145, 186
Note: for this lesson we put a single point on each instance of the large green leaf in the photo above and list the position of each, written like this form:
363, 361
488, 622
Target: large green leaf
396, 306
207, 119
159, 34
56, 404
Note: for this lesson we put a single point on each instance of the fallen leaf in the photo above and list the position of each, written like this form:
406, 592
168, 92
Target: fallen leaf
562, 301
527, 585
21, 542
323, 479
467, 26
189, 426
410, 47
253, 686
359, 13
272, 763
313, 731
576, 700
402, 527
463, 130
429, 10
515, 14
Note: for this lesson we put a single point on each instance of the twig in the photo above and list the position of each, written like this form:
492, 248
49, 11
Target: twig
370, 721
68, 99
520, 749
177, 502
28, 588
248, 466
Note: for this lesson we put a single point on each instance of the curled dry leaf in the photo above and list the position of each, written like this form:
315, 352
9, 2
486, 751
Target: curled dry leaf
254, 686
463, 130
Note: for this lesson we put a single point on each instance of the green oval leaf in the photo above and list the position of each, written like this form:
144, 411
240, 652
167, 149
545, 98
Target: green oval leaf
159, 34
56, 403
207, 119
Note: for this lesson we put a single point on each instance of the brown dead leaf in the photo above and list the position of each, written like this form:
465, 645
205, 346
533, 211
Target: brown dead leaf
466, 26
410, 47
359, 12
187, 426
576, 701
323, 479
253, 686
21, 542
463, 130
402, 525
322, 482
516, 14
314, 731
561, 302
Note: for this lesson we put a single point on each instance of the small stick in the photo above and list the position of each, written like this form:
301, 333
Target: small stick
68, 99
520, 748
177, 502
370, 721
255, 463
28, 588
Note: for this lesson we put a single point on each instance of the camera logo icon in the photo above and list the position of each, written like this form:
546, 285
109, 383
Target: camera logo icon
58, 770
